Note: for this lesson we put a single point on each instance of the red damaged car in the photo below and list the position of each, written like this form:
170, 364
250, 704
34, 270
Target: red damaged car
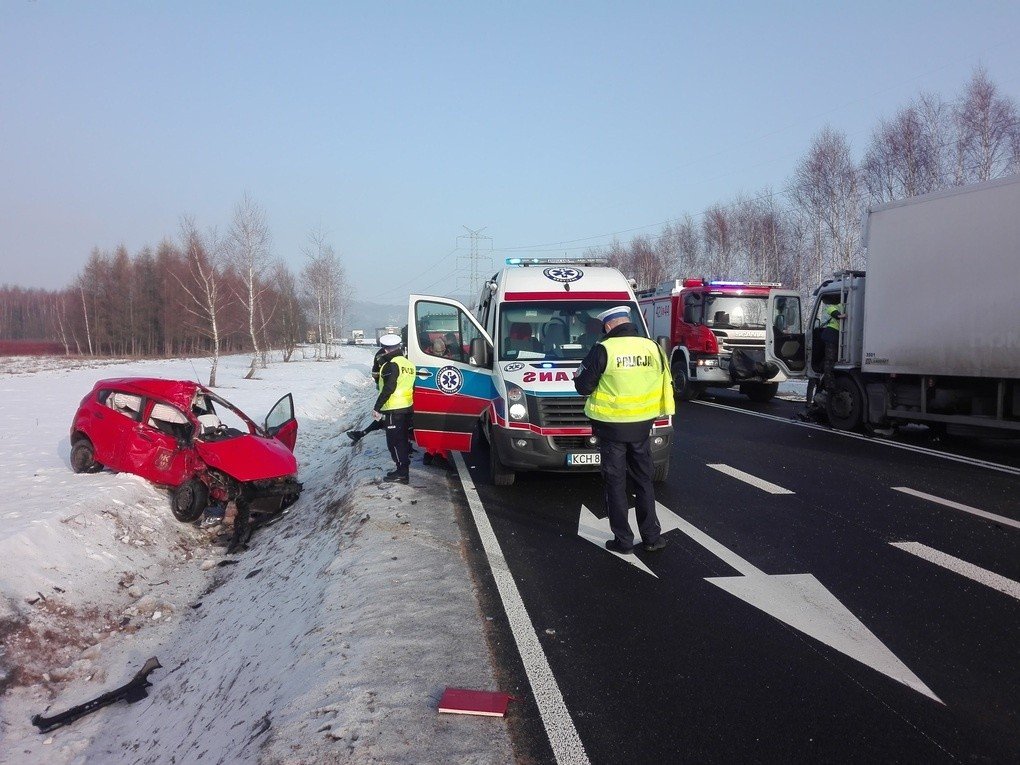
171, 433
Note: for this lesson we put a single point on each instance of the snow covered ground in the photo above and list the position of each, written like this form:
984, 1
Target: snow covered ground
329, 640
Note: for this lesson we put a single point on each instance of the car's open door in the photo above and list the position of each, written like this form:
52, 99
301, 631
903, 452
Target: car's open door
453, 357
281, 424
784, 333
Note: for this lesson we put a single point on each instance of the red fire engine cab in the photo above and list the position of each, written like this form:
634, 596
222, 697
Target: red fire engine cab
717, 335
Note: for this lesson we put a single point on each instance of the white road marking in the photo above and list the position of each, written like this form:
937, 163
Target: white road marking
962, 567
759, 483
881, 441
802, 602
958, 506
596, 530
566, 744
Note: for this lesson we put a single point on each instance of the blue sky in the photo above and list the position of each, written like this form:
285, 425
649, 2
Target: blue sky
392, 125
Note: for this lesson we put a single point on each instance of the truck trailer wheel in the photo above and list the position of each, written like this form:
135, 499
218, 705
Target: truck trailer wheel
501, 475
684, 389
844, 404
760, 392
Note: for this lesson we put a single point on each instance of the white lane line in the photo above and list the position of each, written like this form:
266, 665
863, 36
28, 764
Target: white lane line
760, 483
566, 744
962, 567
881, 441
957, 506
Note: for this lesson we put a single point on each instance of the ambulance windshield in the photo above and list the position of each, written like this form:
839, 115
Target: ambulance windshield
554, 330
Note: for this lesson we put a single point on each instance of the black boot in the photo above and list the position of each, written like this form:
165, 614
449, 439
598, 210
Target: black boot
395, 476
355, 435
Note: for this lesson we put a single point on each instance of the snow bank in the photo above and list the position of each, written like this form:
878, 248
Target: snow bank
329, 640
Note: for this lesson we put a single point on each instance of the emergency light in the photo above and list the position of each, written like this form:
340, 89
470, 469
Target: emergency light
557, 262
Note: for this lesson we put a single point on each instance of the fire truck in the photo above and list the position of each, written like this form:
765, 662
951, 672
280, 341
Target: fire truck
716, 330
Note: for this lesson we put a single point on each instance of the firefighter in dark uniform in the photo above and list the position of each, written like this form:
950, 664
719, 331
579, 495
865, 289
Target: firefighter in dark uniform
396, 397
628, 385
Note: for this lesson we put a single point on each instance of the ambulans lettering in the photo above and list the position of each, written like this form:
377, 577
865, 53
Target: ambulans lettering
633, 361
530, 377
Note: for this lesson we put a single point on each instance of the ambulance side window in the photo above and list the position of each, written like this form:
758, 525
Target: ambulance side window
444, 330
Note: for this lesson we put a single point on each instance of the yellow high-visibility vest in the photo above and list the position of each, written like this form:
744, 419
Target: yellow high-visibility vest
832, 310
636, 385
403, 395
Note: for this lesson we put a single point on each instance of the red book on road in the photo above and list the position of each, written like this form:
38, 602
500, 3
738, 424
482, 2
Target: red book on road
461, 701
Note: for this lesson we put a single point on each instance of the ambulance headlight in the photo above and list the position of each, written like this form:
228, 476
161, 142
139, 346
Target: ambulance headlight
518, 412
513, 393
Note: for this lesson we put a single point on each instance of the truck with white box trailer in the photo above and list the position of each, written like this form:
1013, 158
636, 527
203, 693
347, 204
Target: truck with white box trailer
931, 331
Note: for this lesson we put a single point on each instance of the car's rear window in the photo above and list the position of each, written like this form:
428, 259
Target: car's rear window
128, 404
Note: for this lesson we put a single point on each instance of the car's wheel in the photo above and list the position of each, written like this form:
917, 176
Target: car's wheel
83, 458
843, 405
760, 392
661, 471
501, 474
684, 389
189, 500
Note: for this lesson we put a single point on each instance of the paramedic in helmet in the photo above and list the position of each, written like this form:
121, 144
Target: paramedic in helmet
627, 381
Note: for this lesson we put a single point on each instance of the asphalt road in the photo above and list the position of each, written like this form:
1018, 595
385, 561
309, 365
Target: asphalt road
886, 655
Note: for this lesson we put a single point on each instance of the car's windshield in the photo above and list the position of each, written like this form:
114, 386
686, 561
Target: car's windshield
736, 311
553, 330
220, 421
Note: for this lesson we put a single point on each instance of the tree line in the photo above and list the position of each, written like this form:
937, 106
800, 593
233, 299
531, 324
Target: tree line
202, 292
812, 227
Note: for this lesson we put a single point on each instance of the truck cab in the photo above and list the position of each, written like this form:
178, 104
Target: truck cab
505, 370
717, 335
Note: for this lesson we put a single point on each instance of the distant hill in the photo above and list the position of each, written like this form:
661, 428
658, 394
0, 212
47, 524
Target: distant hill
369, 316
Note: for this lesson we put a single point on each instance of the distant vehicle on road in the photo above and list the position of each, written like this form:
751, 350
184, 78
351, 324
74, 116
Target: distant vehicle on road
937, 340
357, 337
170, 432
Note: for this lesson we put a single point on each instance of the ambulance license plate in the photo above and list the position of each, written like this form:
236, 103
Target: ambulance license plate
584, 458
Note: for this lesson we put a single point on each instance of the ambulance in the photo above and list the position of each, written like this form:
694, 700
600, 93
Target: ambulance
505, 370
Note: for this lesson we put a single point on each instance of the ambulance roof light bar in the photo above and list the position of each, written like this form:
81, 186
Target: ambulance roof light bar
597, 261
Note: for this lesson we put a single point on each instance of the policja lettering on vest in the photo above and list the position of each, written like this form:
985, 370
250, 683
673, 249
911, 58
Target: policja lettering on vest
395, 401
628, 385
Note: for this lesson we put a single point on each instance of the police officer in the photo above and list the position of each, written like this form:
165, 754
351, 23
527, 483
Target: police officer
396, 396
628, 385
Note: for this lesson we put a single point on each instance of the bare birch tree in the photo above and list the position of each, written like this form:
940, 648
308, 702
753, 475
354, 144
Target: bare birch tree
248, 243
827, 189
203, 293
987, 131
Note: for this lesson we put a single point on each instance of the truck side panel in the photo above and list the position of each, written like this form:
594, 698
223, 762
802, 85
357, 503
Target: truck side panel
942, 284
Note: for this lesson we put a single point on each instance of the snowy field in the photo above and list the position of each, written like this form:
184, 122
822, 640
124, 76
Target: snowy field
329, 640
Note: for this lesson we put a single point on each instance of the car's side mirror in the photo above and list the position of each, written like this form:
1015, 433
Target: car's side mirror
663, 342
481, 355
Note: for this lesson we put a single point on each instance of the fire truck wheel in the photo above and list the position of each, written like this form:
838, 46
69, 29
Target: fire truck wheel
843, 405
83, 458
501, 475
189, 500
761, 392
684, 389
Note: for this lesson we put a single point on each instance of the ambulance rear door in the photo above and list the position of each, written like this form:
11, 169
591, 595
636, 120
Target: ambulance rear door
453, 356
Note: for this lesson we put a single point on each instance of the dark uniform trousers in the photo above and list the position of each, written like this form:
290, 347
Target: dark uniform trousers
398, 423
620, 459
